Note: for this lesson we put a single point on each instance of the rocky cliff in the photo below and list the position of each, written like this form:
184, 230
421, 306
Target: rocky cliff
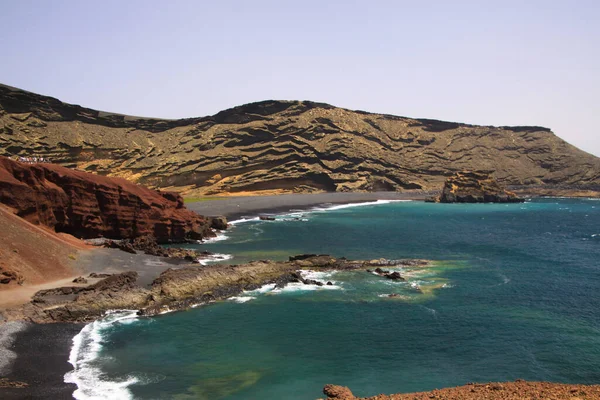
296, 146
88, 205
475, 187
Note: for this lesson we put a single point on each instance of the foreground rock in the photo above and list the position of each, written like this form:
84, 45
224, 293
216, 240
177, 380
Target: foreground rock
175, 289
475, 187
517, 390
284, 146
88, 206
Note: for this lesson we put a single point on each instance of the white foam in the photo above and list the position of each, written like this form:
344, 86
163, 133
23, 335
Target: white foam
241, 299
263, 289
87, 344
220, 236
317, 275
215, 258
242, 220
350, 205
253, 294
301, 287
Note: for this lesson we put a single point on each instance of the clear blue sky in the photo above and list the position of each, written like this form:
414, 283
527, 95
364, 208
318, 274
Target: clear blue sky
482, 62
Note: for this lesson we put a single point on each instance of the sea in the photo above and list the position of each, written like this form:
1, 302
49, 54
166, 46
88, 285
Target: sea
512, 292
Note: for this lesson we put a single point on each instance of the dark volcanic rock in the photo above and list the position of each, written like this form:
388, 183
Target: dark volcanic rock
219, 223
475, 187
174, 289
88, 206
395, 276
123, 245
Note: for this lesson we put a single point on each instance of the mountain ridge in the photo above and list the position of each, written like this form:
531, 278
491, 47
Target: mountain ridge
286, 146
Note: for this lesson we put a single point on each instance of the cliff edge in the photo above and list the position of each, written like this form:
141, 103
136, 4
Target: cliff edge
87, 205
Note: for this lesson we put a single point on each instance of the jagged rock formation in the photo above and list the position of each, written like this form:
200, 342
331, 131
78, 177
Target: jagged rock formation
475, 187
285, 145
88, 205
175, 288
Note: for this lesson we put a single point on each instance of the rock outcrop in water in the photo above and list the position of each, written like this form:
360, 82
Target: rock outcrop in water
88, 205
293, 146
475, 187
175, 288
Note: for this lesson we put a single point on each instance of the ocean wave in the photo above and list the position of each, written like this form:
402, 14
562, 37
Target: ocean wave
220, 236
248, 295
363, 204
215, 258
87, 344
301, 287
242, 220
317, 275
241, 299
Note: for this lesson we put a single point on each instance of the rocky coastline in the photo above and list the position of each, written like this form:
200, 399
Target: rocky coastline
181, 288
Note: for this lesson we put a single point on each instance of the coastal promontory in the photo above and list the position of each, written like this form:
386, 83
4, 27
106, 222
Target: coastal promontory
90, 205
475, 187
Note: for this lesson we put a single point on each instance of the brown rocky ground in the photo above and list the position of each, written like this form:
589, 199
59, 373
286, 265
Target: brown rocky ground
286, 146
518, 390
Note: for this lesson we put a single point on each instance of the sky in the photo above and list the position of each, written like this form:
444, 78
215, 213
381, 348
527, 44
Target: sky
480, 62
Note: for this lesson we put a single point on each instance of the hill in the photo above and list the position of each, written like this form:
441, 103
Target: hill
287, 146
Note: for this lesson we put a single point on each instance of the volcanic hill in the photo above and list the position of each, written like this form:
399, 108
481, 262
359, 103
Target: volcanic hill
287, 146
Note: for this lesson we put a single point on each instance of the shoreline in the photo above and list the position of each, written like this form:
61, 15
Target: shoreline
251, 206
42, 360
51, 343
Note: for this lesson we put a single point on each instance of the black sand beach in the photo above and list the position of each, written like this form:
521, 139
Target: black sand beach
41, 362
238, 207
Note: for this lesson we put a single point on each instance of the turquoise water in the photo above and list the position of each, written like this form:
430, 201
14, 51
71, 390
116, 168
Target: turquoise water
513, 294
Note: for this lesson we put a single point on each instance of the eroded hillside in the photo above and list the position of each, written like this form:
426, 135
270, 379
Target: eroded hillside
285, 145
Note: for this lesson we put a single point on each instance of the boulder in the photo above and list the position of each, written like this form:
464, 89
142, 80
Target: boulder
338, 392
395, 276
475, 187
219, 223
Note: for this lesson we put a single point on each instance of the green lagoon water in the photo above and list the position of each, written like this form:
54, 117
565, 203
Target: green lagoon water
513, 293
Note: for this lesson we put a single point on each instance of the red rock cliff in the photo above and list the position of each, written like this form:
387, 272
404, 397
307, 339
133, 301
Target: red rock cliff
87, 205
